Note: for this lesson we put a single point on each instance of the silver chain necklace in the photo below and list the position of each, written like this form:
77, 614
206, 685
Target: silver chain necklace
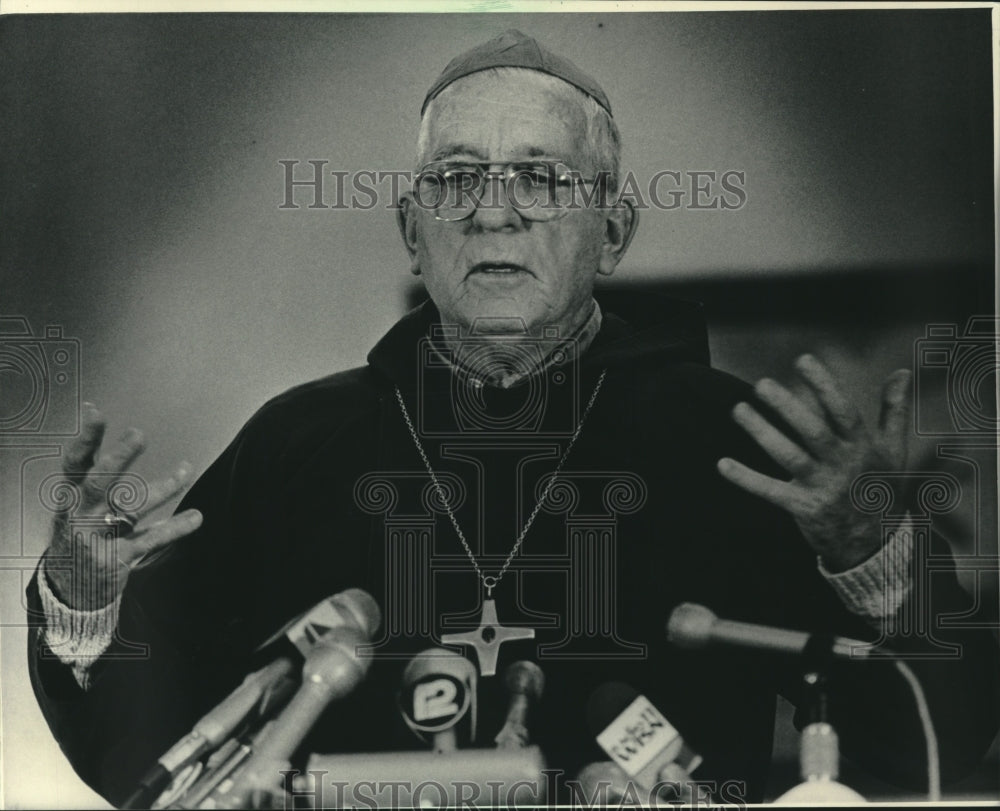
486, 639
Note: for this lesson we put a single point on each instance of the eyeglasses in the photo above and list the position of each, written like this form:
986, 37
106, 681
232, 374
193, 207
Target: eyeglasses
539, 190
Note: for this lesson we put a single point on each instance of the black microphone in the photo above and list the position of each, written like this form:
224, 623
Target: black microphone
694, 626
525, 683
635, 735
260, 694
438, 694
333, 669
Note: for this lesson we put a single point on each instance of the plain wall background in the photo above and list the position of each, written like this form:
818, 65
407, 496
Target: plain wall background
140, 186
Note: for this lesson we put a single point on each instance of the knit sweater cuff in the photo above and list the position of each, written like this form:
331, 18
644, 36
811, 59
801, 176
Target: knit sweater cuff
877, 587
77, 638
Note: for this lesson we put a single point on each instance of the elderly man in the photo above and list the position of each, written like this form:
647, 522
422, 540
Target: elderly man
638, 478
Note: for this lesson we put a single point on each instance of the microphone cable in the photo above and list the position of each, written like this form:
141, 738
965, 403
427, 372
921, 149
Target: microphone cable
930, 737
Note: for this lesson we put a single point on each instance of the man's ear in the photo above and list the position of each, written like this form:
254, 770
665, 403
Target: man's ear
620, 225
406, 220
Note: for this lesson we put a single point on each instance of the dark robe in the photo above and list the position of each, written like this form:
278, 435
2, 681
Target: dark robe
324, 490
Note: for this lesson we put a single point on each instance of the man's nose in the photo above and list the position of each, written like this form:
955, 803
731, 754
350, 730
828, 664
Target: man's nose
495, 211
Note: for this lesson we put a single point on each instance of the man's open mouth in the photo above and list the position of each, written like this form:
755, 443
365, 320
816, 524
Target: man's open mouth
498, 268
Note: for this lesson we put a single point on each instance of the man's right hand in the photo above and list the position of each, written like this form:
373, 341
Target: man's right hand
87, 570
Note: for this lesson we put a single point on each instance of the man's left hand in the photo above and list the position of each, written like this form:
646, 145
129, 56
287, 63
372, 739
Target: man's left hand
836, 447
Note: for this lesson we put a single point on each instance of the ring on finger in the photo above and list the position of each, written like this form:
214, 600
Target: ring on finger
121, 520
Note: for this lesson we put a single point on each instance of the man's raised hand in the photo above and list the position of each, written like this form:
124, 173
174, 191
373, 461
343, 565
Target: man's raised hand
833, 448
86, 569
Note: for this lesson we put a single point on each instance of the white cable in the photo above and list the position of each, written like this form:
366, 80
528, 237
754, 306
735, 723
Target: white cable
933, 764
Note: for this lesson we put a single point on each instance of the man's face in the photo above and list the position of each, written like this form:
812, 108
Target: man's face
495, 263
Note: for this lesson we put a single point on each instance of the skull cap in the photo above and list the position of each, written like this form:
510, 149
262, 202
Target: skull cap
512, 49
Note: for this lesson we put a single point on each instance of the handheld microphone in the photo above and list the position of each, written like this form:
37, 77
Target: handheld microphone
258, 694
525, 683
261, 693
349, 607
437, 694
635, 735
332, 670
694, 626
602, 783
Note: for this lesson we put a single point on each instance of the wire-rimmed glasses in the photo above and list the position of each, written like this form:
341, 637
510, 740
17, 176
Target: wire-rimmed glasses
539, 190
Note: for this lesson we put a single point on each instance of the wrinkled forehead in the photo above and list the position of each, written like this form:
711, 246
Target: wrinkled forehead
507, 115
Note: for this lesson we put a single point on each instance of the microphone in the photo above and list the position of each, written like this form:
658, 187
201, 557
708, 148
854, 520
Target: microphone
260, 694
602, 784
635, 735
525, 683
819, 758
349, 607
437, 694
694, 626
333, 669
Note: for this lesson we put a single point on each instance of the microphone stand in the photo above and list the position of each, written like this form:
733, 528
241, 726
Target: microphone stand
819, 752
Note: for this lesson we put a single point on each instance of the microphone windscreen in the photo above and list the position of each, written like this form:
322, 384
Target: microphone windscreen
690, 626
437, 661
438, 692
349, 607
364, 608
334, 664
604, 780
606, 703
525, 678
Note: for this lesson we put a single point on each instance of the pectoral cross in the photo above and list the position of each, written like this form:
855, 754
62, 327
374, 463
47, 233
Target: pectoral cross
488, 637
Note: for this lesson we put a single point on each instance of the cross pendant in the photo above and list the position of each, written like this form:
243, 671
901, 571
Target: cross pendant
488, 637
